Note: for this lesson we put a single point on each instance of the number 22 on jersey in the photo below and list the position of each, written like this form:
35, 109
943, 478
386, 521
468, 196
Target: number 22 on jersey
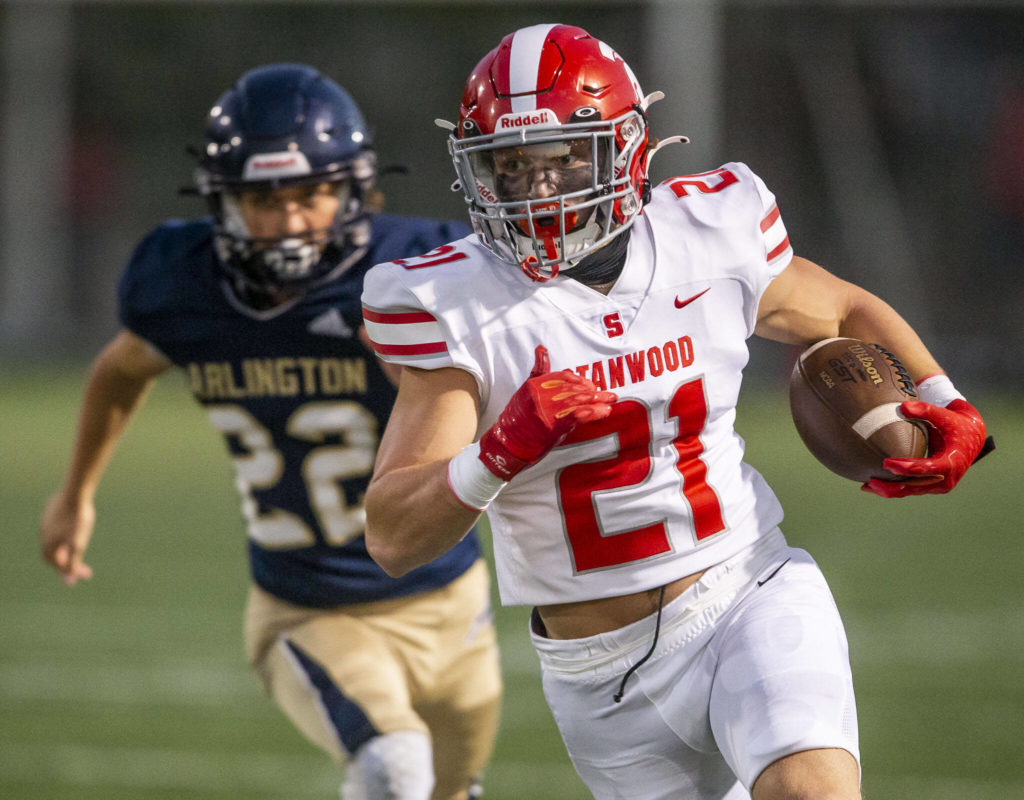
260, 465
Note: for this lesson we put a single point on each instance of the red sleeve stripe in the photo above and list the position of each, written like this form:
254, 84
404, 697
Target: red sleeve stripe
776, 240
426, 348
769, 220
779, 249
400, 334
400, 318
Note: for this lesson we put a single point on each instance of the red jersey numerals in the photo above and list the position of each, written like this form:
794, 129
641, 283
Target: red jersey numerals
444, 254
703, 182
592, 546
689, 406
578, 483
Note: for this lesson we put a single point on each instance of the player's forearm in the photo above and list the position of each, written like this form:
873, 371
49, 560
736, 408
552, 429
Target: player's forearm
109, 400
412, 517
872, 319
806, 304
118, 381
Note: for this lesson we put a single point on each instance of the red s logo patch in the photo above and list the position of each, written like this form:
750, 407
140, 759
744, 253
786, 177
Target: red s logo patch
613, 325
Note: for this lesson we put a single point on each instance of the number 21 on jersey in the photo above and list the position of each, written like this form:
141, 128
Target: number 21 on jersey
630, 466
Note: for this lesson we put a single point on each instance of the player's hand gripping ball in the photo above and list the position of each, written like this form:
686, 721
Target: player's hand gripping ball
541, 413
845, 396
956, 439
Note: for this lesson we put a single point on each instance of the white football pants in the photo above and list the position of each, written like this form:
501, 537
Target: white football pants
751, 665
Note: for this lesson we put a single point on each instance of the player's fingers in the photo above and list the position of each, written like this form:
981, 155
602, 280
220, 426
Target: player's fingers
591, 413
75, 568
568, 377
888, 492
917, 467
79, 571
887, 489
923, 481
933, 484
568, 381
912, 409
586, 394
919, 490
569, 400
918, 409
541, 362
63, 553
58, 555
587, 389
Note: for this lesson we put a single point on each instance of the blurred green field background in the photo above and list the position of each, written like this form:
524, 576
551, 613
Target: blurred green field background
134, 685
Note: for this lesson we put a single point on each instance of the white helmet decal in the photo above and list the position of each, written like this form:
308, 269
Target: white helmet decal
271, 166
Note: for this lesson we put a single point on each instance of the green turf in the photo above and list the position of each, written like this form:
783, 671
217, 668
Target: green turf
133, 685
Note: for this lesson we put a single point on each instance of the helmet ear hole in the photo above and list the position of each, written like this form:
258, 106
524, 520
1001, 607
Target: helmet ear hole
585, 114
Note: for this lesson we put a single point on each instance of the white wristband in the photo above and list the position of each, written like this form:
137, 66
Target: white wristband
938, 390
471, 482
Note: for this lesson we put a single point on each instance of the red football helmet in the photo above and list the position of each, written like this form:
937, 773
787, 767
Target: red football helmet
551, 147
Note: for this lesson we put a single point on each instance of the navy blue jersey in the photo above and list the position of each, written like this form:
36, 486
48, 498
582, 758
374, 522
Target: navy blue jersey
299, 399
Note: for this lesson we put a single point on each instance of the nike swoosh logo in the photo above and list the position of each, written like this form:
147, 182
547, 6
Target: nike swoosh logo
688, 300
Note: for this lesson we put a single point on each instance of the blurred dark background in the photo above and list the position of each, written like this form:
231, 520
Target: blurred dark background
892, 134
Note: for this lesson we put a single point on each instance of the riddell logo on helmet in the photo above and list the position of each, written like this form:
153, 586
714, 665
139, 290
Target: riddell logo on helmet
485, 193
264, 166
274, 163
527, 119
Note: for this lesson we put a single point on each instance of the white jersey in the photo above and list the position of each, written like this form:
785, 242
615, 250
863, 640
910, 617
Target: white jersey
659, 489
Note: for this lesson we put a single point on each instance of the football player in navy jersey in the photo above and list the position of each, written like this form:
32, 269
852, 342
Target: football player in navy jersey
259, 304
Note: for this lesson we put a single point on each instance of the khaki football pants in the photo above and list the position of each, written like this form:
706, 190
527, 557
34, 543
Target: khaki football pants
427, 662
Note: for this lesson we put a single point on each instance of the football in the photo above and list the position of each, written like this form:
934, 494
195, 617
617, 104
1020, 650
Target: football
844, 395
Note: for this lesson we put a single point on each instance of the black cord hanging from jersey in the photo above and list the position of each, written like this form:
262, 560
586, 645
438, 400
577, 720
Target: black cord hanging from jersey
657, 629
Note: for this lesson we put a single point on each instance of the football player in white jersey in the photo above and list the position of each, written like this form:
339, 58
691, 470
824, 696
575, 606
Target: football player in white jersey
573, 368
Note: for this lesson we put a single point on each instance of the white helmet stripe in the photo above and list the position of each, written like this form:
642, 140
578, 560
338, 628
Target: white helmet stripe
524, 64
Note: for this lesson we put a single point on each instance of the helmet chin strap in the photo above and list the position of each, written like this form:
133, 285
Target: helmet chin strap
548, 228
529, 266
603, 266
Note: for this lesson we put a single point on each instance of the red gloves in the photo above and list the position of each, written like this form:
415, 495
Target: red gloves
540, 414
956, 439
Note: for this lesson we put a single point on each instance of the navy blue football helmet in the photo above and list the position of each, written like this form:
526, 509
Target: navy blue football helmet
285, 125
